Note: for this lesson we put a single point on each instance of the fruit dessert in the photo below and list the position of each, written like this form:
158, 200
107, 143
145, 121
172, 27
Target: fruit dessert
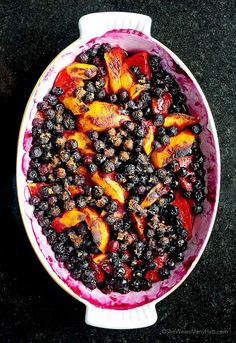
116, 172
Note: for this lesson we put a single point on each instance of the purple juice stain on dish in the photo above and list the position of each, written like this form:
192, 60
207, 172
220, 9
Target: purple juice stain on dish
129, 40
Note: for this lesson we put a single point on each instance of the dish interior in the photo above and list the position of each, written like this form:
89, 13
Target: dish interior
128, 40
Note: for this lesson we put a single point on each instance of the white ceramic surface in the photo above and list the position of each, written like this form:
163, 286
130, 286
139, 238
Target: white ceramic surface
134, 310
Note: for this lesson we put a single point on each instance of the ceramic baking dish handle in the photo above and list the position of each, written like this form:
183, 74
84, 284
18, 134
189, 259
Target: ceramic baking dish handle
96, 24
136, 318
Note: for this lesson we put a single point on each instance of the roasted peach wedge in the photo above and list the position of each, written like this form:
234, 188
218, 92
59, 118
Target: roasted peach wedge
75, 190
127, 78
185, 215
140, 60
98, 228
111, 187
162, 105
101, 116
67, 220
182, 141
136, 90
139, 225
81, 71
155, 193
74, 104
113, 60
149, 138
84, 143
180, 120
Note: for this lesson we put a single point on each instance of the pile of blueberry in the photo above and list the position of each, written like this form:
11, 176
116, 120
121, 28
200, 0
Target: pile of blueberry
131, 262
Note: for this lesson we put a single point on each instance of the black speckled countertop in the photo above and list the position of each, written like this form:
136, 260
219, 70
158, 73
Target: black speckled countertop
32, 307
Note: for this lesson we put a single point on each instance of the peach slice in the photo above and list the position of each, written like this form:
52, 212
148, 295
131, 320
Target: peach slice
155, 193
106, 85
162, 105
74, 104
136, 90
139, 225
81, 71
66, 82
111, 187
127, 78
98, 228
180, 120
149, 138
101, 116
67, 220
84, 143
182, 141
185, 214
74, 190
98, 258
113, 60
140, 60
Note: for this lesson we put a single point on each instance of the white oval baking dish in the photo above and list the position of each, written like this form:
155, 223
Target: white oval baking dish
135, 310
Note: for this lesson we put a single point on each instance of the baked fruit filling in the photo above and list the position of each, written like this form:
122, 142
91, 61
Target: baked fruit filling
116, 172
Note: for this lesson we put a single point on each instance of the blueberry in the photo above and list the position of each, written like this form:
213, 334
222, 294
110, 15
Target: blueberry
93, 135
32, 175
182, 171
129, 169
108, 167
158, 120
71, 144
123, 95
197, 209
179, 257
137, 115
82, 57
112, 207
164, 140
101, 94
92, 168
113, 98
196, 129
163, 273
172, 131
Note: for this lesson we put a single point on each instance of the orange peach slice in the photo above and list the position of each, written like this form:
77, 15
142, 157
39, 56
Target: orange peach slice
106, 85
75, 190
84, 143
155, 193
127, 79
182, 141
101, 116
67, 220
113, 60
149, 138
111, 187
81, 70
139, 225
136, 90
98, 228
74, 104
180, 120
98, 258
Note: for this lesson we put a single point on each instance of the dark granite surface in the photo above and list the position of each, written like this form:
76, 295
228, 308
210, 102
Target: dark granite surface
32, 307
